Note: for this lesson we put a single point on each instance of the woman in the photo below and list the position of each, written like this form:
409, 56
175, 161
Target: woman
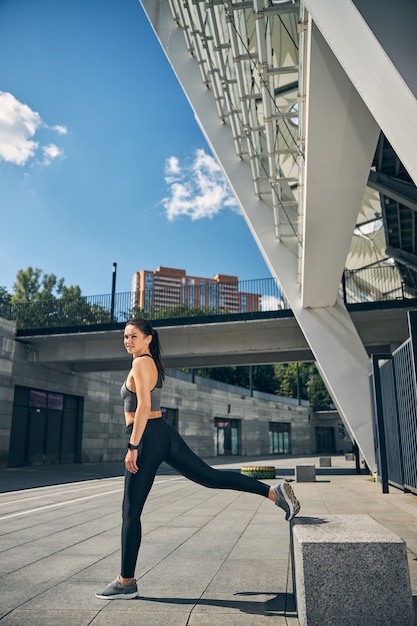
152, 440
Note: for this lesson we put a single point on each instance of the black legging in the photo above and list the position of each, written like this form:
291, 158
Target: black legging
161, 442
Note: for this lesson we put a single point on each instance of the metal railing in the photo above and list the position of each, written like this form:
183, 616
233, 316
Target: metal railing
379, 283
217, 299
254, 298
394, 387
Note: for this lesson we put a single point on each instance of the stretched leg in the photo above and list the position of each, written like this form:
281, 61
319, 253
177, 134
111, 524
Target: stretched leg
189, 464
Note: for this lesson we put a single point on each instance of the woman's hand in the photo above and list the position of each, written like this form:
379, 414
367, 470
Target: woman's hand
131, 461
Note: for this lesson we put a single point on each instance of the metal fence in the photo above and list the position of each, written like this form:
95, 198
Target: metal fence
380, 283
394, 385
225, 299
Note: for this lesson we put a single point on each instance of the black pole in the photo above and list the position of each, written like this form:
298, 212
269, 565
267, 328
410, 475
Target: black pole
355, 449
344, 287
113, 292
379, 419
298, 384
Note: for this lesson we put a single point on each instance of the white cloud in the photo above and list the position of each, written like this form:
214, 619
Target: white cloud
197, 189
50, 153
18, 126
61, 130
172, 168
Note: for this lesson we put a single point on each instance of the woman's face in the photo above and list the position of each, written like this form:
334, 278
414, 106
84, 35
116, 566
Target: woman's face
135, 341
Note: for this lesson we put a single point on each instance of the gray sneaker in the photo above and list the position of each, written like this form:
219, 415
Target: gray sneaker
286, 500
117, 591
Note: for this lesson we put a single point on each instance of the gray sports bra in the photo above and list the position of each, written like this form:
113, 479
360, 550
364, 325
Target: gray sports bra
130, 401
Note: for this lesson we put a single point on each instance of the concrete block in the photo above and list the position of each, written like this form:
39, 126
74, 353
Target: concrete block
349, 456
325, 461
349, 570
305, 473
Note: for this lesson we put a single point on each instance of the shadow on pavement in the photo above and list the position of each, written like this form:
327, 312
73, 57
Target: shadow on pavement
280, 604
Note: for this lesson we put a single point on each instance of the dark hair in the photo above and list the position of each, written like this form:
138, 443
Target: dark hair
146, 328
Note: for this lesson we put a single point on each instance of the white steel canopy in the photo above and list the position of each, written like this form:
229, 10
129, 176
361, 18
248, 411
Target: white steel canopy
280, 90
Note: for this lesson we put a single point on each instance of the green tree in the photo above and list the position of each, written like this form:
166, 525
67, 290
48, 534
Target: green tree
229, 375
32, 285
304, 381
42, 301
318, 395
74, 309
5, 298
291, 380
263, 378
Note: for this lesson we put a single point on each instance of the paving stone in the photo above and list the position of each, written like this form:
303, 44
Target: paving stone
48, 617
208, 557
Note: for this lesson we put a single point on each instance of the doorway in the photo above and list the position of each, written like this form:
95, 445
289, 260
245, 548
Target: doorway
227, 437
325, 440
46, 428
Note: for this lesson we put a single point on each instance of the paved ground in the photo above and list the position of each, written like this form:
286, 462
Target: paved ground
208, 557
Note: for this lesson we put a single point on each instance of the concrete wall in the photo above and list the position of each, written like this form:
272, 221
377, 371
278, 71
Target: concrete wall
198, 404
103, 434
7, 348
343, 442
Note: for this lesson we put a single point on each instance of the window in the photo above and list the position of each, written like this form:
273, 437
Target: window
55, 401
191, 292
227, 436
212, 295
37, 399
202, 294
279, 438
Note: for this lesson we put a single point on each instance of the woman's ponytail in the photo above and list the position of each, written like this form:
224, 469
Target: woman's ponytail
145, 327
155, 348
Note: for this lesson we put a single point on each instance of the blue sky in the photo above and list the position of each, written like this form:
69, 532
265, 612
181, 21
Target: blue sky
101, 159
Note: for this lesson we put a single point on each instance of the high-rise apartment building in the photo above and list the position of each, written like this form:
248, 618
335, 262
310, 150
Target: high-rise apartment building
167, 287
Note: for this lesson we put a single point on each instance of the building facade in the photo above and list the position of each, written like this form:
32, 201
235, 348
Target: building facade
166, 288
52, 415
